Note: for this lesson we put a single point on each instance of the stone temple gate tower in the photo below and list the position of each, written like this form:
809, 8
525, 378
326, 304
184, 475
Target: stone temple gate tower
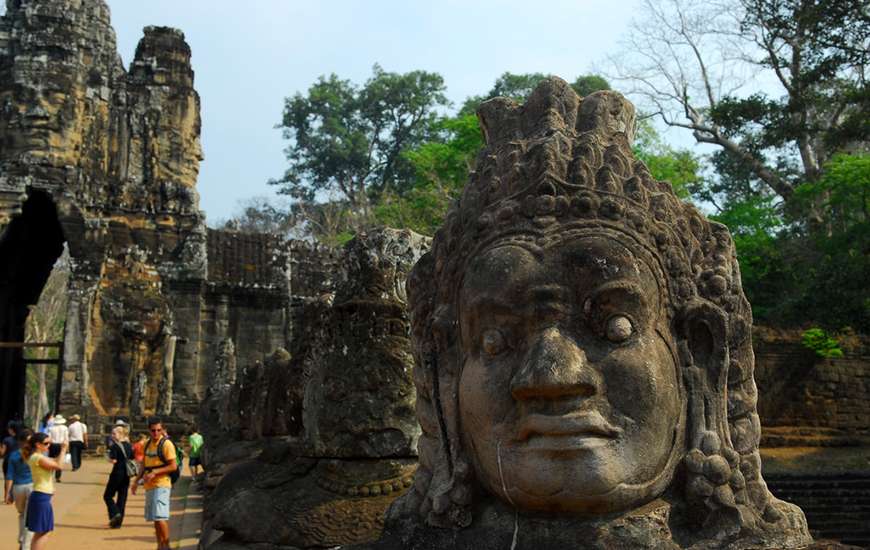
105, 159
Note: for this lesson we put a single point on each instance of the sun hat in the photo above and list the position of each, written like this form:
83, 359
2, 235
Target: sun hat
59, 419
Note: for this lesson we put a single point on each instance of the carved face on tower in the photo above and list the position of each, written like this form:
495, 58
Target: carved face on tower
569, 394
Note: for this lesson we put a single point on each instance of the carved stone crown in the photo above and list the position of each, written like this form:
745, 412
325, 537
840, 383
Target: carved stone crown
556, 165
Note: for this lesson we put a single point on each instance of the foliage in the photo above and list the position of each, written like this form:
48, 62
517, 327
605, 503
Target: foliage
792, 272
842, 193
781, 180
822, 343
679, 167
441, 169
349, 139
694, 65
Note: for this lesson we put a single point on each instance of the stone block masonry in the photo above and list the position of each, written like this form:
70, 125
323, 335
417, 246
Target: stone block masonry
813, 398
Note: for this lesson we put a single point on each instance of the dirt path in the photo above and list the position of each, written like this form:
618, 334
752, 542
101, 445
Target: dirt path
81, 521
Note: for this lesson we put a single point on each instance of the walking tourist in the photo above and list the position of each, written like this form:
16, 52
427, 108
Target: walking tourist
119, 422
8, 443
196, 442
159, 464
19, 485
139, 448
78, 440
124, 466
40, 516
60, 442
46, 422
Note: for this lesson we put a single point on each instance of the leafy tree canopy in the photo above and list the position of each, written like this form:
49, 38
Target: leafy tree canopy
679, 167
441, 170
349, 139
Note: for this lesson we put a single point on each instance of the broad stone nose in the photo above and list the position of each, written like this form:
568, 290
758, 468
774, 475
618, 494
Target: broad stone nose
555, 367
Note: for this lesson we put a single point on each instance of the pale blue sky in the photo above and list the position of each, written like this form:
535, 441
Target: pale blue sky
249, 55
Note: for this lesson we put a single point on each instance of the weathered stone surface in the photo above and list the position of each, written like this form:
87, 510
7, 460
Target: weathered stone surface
106, 160
333, 424
578, 332
807, 400
369, 412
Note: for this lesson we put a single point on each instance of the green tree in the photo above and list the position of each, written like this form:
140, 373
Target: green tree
794, 203
441, 169
689, 65
679, 167
349, 139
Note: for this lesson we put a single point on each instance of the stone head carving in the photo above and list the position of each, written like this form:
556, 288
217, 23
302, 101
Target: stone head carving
582, 336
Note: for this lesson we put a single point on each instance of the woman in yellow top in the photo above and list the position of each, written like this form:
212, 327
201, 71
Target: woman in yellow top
40, 516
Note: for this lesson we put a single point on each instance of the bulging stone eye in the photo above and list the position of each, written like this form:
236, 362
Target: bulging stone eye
619, 328
492, 341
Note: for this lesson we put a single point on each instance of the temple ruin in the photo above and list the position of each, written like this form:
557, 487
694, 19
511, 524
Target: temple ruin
260, 335
105, 160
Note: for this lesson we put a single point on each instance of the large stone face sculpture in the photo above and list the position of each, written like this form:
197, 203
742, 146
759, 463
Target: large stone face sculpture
584, 352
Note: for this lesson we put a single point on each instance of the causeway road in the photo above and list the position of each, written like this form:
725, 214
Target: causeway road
81, 521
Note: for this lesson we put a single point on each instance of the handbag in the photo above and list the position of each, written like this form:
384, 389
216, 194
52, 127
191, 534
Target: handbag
130, 465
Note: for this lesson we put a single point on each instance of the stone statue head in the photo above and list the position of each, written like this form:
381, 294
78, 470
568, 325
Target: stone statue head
582, 337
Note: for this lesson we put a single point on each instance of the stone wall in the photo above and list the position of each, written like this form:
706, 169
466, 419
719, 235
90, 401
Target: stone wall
798, 389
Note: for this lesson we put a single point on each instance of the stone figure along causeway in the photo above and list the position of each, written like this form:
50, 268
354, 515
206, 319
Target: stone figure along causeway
331, 424
585, 369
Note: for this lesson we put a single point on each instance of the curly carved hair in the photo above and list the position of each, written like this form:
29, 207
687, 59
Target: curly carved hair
560, 164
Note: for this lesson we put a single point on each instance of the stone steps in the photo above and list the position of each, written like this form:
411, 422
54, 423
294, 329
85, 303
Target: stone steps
837, 506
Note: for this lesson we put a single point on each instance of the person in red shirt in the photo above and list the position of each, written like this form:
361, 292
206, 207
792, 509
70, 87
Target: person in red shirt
139, 448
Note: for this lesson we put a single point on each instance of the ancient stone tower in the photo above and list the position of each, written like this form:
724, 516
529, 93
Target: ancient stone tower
106, 160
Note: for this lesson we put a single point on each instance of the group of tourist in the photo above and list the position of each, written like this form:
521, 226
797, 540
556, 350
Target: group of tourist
32, 462
29, 484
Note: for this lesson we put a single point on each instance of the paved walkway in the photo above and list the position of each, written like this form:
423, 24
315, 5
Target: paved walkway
81, 521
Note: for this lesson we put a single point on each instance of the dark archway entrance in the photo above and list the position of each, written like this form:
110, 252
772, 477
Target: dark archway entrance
29, 247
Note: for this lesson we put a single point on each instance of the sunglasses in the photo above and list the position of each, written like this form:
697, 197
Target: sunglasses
155, 431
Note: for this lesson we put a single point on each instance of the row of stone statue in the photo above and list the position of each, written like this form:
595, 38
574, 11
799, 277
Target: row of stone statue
580, 346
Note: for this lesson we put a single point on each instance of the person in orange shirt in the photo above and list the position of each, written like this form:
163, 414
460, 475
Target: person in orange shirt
139, 448
159, 463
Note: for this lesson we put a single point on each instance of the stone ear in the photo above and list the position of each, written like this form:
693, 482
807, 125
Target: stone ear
702, 337
703, 333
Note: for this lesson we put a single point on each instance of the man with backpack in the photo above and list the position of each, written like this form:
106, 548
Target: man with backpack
179, 458
159, 464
